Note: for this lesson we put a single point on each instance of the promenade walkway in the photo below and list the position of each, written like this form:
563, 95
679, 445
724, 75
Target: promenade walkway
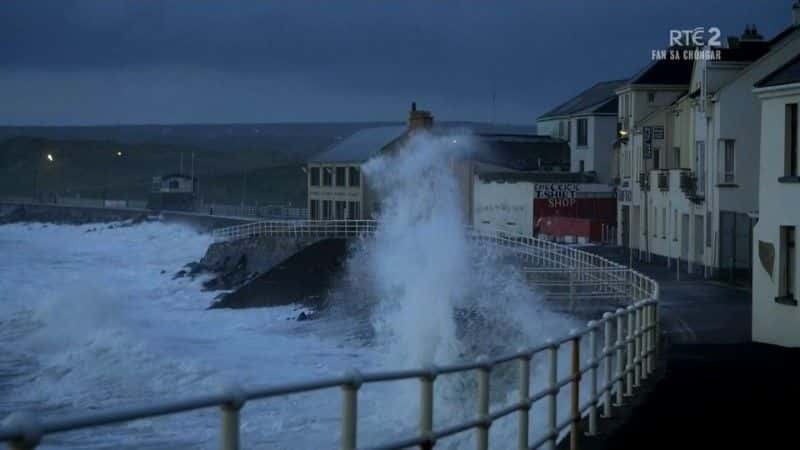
718, 390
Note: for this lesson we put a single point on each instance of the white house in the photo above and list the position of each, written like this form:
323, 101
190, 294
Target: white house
776, 317
588, 122
696, 192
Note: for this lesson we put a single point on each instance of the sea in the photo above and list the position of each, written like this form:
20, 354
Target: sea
92, 318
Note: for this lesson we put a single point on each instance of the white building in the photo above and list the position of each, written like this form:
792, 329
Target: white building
588, 122
776, 317
697, 159
338, 190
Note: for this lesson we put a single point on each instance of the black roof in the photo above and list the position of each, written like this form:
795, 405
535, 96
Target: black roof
176, 175
787, 74
522, 152
539, 177
745, 51
666, 72
598, 98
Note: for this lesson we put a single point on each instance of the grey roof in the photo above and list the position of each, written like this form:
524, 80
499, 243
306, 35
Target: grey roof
360, 146
601, 96
787, 74
665, 72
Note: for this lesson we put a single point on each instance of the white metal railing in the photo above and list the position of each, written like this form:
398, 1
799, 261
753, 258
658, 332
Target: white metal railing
574, 273
264, 211
622, 345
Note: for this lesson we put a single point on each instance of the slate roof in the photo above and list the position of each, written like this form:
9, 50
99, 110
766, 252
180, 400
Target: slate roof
598, 98
539, 177
787, 74
666, 72
518, 151
361, 146
522, 152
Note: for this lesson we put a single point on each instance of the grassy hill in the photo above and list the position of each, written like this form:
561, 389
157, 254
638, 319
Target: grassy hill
260, 164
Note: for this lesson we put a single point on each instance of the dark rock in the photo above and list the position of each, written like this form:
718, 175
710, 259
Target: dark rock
163, 272
304, 277
302, 317
179, 274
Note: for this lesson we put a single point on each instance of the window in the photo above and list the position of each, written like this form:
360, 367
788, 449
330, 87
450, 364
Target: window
790, 152
788, 260
340, 207
676, 157
580, 166
314, 174
326, 210
709, 232
656, 158
355, 176
727, 165
327, 176
173, 184
583, 132
341, 173
664, 223
314, 207
651, 97
354, 211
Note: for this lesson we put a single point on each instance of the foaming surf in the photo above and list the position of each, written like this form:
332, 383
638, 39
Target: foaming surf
95, 320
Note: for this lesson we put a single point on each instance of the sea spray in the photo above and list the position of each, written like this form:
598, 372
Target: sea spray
436, 295
420, 254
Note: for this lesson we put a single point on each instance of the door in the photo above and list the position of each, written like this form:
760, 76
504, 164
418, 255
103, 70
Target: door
635, 233
685, 237
698, 238
626, 223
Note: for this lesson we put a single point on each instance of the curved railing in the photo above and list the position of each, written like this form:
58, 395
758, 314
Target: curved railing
622, 350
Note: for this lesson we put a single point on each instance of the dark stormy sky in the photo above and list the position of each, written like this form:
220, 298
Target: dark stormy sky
202, 61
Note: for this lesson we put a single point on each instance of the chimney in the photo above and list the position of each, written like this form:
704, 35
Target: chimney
418, 119
751, 34
796, 13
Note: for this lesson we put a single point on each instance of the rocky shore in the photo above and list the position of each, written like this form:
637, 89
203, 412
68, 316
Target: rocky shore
271, 271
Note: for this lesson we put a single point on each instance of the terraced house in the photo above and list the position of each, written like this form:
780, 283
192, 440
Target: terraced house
588, 123
689, 164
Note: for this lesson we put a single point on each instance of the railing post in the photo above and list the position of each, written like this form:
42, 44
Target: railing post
629, 353
608, 360
620, 344
426, 409
350, 411
484, 372
593, 378
575, 408
552, 378
524, 397
229, 418
637, 346
572, 289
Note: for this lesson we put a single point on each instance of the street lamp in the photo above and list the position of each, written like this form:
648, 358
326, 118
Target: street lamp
50, 157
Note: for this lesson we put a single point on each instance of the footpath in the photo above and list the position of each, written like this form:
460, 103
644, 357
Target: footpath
715, 389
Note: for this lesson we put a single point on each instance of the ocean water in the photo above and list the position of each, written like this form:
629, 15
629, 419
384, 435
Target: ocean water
94, 320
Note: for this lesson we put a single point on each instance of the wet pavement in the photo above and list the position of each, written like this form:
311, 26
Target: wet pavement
715, 389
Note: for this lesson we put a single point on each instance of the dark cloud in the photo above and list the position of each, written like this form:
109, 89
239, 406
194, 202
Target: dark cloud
72, 61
